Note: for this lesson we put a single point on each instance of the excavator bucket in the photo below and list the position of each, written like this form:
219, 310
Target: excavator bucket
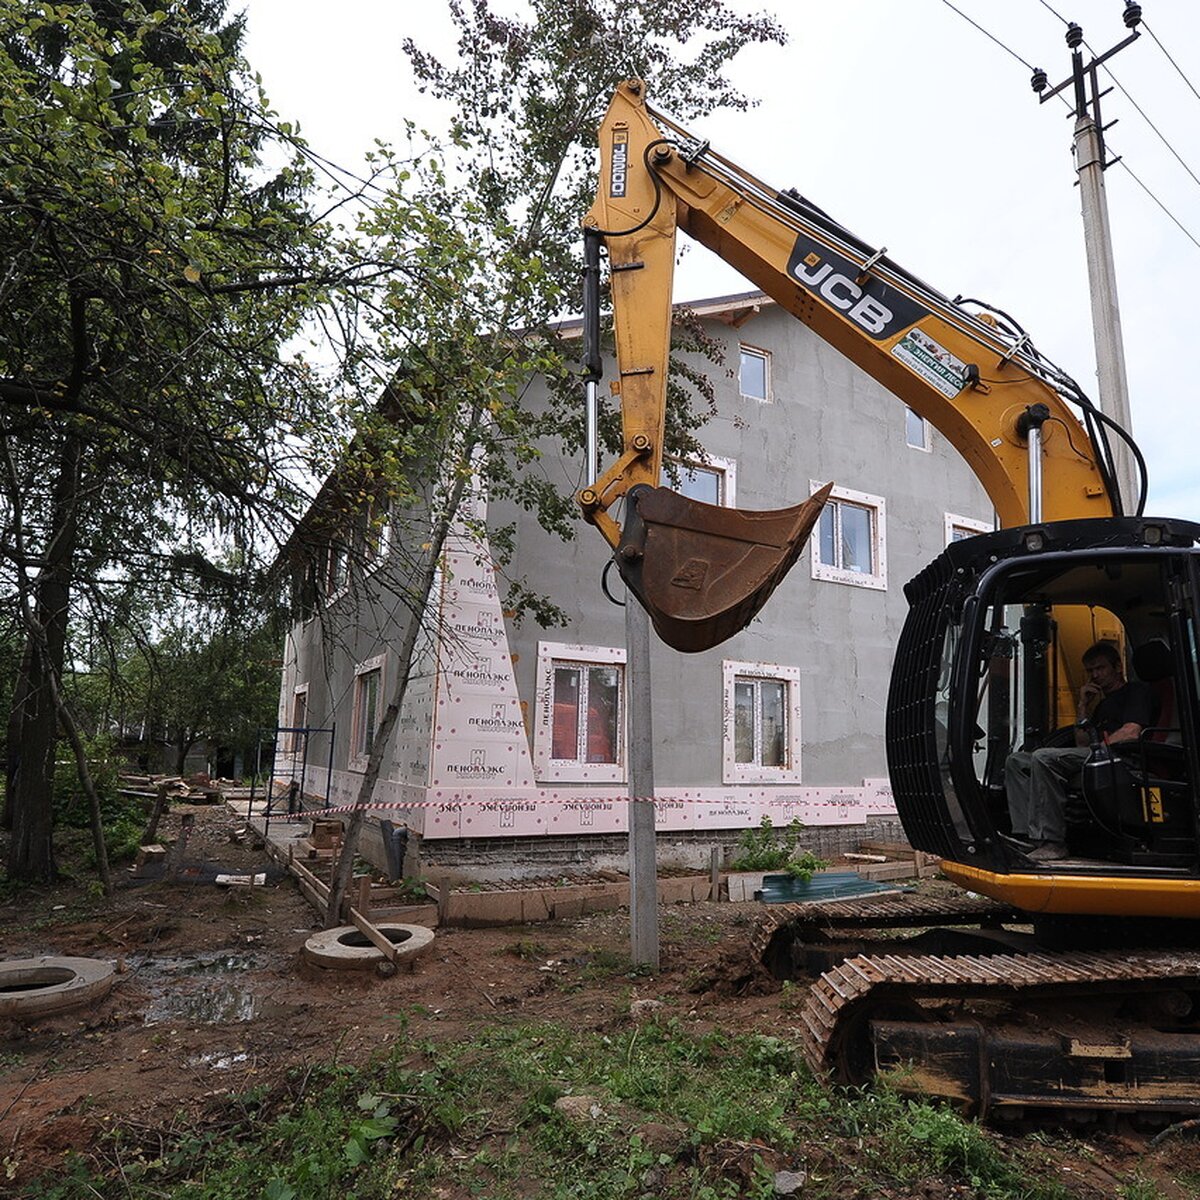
702, 572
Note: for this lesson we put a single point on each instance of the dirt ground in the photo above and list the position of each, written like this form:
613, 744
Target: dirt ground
214, 997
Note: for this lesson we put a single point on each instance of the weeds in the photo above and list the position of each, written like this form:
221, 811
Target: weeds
767, 849
671, 1112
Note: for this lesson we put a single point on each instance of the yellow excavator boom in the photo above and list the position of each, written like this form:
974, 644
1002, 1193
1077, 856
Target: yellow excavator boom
702, 571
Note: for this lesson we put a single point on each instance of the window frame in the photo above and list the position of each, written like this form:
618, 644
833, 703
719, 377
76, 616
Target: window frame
337, 569
377, 518
972, 525
732, 771
876, 579
359, 755
547, 768
293, 739
724, 468
744, 348
927, 439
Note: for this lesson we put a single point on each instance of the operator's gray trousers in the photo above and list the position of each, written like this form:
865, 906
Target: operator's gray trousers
1036, 785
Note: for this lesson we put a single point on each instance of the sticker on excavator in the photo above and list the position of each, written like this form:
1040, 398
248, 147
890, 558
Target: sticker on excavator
935, 364
701, 571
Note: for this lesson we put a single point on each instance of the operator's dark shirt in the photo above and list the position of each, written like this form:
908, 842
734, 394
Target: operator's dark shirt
1131, 702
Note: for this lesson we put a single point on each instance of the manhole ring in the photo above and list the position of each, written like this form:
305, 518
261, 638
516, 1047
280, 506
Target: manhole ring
346, 948
37, 987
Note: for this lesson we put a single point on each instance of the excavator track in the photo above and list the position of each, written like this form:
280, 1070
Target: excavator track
786, 925
1080, 1031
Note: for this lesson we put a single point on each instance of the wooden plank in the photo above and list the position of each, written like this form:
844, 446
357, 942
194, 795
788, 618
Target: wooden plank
302, 873
373, 935
307, 892
891, 849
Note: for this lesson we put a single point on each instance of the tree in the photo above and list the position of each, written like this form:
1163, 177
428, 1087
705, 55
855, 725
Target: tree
152, 272
498, 258
203, 679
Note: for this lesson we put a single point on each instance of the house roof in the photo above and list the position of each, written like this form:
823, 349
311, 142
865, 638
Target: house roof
733, 309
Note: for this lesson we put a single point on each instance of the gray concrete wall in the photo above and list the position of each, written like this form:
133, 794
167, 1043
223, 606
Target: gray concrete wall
828, 421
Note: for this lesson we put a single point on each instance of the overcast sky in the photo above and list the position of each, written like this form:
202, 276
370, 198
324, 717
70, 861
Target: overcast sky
916, 131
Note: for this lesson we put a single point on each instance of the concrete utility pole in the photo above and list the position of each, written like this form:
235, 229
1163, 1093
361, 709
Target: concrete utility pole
1090, 164
643, 850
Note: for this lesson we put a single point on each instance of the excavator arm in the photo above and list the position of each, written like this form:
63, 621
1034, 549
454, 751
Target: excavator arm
702, 572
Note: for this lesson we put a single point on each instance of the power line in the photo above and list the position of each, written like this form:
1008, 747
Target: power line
1158, 132
1141, 112
1182, 229
1171, 60
1051, 10
1006, 49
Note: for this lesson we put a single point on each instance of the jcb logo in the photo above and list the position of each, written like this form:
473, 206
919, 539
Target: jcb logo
844, 293
618, 175
875, 307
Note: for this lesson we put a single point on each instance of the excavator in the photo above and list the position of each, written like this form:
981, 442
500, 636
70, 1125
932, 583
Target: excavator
1069, 986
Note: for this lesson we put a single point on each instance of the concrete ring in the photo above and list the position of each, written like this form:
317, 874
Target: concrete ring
346, 948
37, 987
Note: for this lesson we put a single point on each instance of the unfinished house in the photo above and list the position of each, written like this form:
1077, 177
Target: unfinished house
511, 747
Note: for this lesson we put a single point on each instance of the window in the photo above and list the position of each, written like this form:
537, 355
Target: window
337, 575
299, 719
762, 722
849, 545
958, 528
916, 431
586, 707
368, 686
754, 375
712, 481
580, 729
377, 533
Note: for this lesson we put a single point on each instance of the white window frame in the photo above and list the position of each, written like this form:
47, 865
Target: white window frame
358, 757
765, 355
294, 741
877, 580
725, 468
954, 521
337, 570
552, 770
733, 771
375, 555
927, 438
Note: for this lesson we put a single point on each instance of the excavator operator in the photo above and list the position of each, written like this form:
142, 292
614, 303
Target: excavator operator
1037, 782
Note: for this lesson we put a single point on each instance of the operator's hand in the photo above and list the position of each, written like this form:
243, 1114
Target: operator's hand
1089, 696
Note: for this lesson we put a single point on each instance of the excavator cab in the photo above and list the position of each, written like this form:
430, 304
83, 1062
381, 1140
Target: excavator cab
989, 664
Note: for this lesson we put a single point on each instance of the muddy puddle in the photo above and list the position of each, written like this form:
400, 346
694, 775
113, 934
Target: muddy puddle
210, 988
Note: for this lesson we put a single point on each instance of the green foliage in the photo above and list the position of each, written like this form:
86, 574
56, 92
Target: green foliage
70, 804
767, 849
123, 818
479, 1116
156, 274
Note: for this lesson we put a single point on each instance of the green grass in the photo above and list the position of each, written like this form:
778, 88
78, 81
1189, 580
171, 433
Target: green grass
672, 1113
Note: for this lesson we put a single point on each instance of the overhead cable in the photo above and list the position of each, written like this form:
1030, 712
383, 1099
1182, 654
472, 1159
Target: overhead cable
1173, 63
1182, 228
1006, 49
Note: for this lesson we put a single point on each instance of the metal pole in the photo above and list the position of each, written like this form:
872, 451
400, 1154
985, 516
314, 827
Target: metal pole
592, 412
643, 864
1102, 279
329, 762
1035, 475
